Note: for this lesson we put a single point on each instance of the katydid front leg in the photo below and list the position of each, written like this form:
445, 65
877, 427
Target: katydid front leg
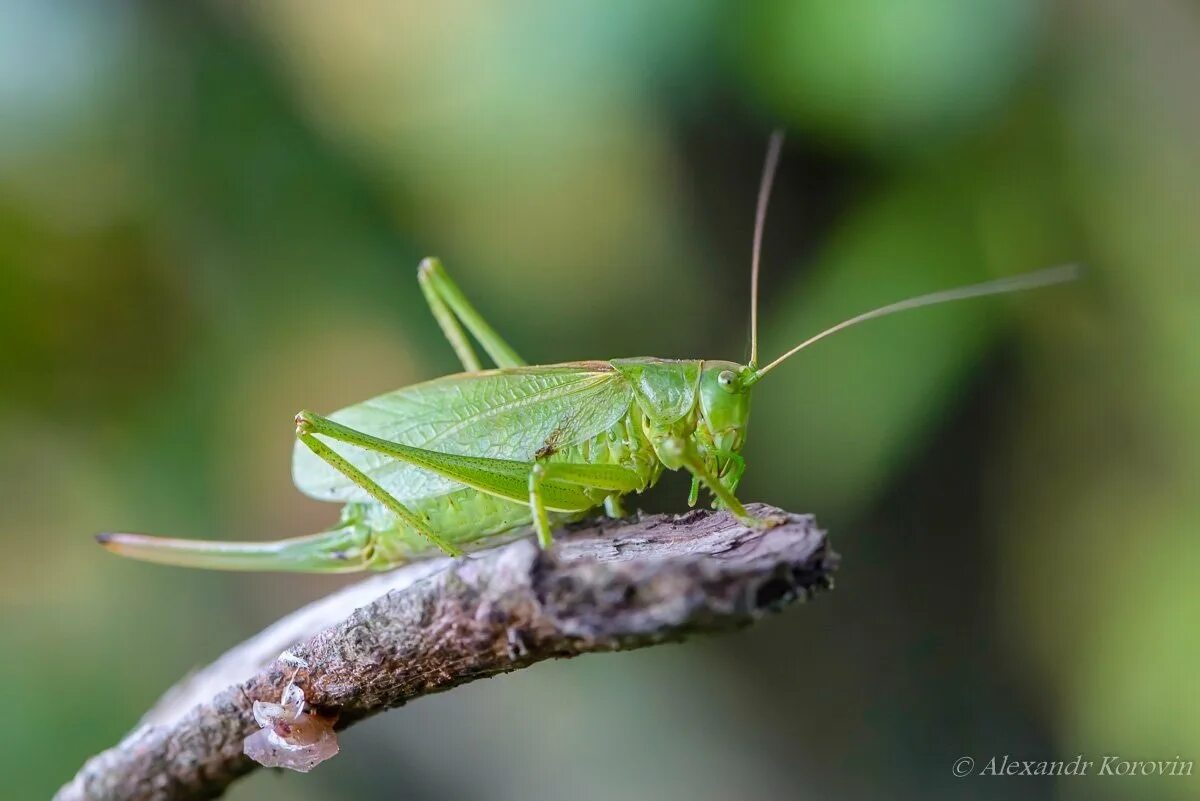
730, 480
735, 472
680, 452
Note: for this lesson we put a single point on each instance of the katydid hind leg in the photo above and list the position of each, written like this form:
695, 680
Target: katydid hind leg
451, 307
558, 486
503, 478
339, 463
446, 319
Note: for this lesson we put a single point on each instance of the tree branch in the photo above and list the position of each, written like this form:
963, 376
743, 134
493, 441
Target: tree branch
430, 626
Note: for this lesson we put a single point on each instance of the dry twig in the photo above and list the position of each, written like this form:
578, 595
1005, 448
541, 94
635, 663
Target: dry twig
431, 626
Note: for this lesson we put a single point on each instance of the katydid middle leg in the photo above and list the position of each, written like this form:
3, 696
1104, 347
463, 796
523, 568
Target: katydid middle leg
614, 508
613, 479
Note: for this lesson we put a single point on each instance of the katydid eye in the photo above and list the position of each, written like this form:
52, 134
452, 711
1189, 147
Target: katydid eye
726, 379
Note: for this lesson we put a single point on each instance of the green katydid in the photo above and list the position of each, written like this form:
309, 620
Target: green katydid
449, 463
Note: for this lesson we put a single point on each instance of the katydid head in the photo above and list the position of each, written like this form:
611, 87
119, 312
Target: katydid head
725, 403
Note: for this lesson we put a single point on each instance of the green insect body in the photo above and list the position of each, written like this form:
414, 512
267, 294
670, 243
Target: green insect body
464, 460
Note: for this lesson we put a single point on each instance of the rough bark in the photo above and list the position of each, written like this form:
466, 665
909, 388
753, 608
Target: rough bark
430, 626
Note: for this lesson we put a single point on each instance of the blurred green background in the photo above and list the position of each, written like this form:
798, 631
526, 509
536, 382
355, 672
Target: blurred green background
211, 216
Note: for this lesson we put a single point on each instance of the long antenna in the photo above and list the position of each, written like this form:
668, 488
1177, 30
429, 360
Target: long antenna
1052, 275
760, 219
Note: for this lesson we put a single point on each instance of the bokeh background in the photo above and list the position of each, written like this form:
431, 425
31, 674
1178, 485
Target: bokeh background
211, 216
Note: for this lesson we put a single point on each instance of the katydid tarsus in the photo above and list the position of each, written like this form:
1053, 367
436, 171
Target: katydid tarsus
447, 463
